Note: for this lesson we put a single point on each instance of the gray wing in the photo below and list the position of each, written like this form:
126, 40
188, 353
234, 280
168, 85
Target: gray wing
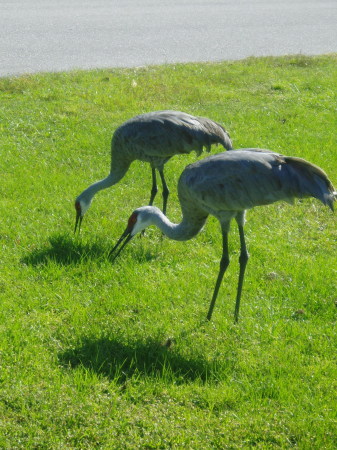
235, 181
166, 133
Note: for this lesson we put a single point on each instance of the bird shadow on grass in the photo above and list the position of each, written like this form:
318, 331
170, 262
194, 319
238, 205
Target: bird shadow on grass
120, 362
67, 250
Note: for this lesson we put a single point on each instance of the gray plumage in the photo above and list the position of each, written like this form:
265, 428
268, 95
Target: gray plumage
154, 138
226, 185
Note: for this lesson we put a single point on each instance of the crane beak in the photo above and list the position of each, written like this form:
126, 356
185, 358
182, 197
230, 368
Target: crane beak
78, 222
121, 243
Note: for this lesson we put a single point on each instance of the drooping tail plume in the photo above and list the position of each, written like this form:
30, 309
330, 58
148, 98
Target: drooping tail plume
311, 181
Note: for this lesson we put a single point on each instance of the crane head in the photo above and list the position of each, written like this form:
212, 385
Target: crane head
79, 216
138, 221
81, 208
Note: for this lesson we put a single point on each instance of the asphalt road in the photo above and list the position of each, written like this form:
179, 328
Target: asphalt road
45, 35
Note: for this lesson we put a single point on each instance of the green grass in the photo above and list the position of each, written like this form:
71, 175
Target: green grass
85, 354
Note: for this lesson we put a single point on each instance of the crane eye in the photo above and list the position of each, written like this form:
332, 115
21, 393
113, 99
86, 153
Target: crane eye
132, 220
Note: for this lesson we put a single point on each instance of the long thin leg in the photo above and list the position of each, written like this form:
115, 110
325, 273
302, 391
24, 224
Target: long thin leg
154, 189
224, 262
243, 259
166, 191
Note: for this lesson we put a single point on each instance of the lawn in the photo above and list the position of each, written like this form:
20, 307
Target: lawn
102, 355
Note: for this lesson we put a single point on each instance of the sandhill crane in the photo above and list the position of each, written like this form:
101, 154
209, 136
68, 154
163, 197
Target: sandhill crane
225, 185
154, 138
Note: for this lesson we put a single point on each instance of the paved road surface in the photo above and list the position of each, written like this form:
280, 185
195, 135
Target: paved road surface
53, 35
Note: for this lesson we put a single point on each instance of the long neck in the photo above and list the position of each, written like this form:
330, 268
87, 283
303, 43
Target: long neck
183, 231
90, 191
113, 178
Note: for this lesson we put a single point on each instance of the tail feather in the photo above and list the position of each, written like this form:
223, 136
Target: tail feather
216, 134
311, 181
